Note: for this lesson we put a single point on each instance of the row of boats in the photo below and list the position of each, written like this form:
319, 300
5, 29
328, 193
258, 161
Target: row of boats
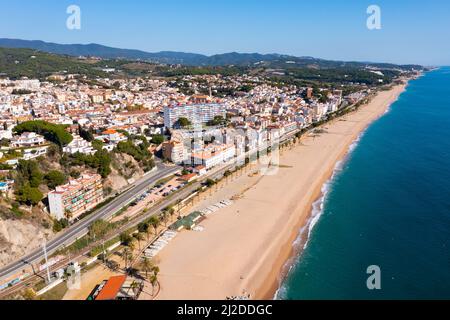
168, 235
159, 244
215, 207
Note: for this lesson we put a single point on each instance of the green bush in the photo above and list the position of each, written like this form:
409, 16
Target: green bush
28, 195
210, 183
139, 153
99, 228
158, 139
97, 145
55, 178
101, 161
125, 238
183, 123
59, 225
28, 172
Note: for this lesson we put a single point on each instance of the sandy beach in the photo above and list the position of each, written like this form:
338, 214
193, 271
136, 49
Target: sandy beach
244, 247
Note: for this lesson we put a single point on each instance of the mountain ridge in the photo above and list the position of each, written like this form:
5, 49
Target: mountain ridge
186, 58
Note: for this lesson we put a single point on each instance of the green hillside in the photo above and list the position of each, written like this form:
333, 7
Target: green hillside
16, 63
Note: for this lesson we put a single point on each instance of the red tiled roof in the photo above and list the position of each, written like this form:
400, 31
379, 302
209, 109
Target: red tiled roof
111, 288
109, 131
188, 177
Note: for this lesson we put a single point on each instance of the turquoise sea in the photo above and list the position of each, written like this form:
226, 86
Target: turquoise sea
388, 205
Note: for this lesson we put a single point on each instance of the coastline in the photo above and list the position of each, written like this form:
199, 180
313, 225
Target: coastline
270, 287
230, 257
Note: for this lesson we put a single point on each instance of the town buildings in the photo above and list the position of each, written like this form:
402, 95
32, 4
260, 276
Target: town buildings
76, 197
112, 137
195, 113
27, 139
258, 112
212, 155
80, 145
174, 151
34, 153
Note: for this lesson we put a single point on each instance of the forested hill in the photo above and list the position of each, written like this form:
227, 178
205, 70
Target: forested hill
190, 59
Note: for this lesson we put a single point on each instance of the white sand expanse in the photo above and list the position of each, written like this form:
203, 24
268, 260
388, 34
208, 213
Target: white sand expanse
245, 246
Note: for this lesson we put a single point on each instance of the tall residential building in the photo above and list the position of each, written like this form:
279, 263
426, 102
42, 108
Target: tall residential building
196, 113
76, 197
174, 151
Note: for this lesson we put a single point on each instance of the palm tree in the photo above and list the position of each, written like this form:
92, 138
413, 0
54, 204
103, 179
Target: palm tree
147, 266
178, 206
127, 256
161, 216
155, 270
135, 287
143, 228
154, 221
139, 237
149, 233
153, 281
131, 245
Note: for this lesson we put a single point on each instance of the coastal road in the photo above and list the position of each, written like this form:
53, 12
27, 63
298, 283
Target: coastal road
171, 200
81, 227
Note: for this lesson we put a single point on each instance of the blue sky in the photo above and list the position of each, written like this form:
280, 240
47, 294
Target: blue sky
412, 31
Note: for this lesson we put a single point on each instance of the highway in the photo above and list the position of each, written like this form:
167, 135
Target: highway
156, 209
80, 228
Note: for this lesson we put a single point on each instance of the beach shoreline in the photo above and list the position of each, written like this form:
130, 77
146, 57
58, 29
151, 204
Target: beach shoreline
232, 257
269, 288
273, 282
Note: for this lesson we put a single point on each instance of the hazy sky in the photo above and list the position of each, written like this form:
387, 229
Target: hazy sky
412, 31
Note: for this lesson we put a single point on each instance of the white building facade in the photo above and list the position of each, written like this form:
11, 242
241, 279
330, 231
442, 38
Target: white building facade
195, 113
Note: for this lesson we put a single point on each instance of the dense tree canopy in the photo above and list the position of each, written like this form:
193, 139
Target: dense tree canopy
28, 172
86, 134
183, 122
217, 121
157, 139
55, 178
29, 195
140, 152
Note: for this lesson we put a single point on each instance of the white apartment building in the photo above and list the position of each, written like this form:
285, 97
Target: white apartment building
27, 139
78, 196
96, 98
112, 137
6, 134
80, 145
27, 84
29, 154
289, 127
196, 113
213, 155
175, 151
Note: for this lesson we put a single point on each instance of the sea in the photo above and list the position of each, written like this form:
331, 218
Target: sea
382, 228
